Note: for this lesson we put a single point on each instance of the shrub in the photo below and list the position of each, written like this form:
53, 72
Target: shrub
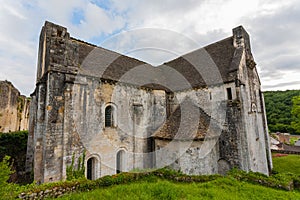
8, 190
283, 181
5, 170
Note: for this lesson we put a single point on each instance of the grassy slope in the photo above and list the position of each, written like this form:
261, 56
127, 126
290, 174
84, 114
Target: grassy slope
223, 188
290, 163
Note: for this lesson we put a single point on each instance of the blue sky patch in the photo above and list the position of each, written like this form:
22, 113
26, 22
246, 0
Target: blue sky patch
104, 4
77, 16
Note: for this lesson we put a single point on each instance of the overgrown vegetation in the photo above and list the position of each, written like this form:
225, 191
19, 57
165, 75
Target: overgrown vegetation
74, 172
8, 190
279, 106
14, 145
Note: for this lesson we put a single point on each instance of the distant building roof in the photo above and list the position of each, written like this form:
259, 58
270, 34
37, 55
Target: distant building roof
274, 141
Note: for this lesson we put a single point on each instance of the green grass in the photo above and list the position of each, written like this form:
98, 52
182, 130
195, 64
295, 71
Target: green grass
290, 163
222, 188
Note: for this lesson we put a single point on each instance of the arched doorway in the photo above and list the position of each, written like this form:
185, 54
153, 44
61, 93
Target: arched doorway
92, 168
120, 161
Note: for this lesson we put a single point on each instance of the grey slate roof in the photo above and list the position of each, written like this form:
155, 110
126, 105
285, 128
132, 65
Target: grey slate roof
213, 58
215, 63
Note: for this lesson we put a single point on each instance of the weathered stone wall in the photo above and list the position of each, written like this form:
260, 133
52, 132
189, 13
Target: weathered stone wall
14, 108
255, 138
45, 147
83, 120
132, 128
255, 124
189, 157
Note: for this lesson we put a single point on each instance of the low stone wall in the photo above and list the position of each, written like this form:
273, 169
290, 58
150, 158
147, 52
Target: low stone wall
285, 152
53, 193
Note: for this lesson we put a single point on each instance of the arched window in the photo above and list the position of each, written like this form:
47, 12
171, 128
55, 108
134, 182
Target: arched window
109, 118
120, 161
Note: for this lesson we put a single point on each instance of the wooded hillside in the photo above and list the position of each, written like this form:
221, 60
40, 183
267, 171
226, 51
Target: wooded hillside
282, 109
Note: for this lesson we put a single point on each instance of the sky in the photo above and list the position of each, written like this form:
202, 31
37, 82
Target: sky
154, 31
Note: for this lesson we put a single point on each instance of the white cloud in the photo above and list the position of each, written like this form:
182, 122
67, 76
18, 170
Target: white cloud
11, 10
21, 23
272, 24
97, 22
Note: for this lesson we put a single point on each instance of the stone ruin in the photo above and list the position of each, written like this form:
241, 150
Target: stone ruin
14, 109
201, 113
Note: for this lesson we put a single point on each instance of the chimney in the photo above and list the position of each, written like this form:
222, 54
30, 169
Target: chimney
241, 40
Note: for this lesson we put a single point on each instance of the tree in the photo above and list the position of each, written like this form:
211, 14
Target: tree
296, 114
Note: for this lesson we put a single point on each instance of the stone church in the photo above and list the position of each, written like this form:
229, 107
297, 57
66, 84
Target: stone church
201, 113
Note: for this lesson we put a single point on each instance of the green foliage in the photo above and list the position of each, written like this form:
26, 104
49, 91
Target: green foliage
14, 144
283, 181
7, 189
74, 172
279, 110
296, 114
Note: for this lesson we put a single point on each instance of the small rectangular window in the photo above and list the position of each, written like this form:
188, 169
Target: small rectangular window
229, 93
